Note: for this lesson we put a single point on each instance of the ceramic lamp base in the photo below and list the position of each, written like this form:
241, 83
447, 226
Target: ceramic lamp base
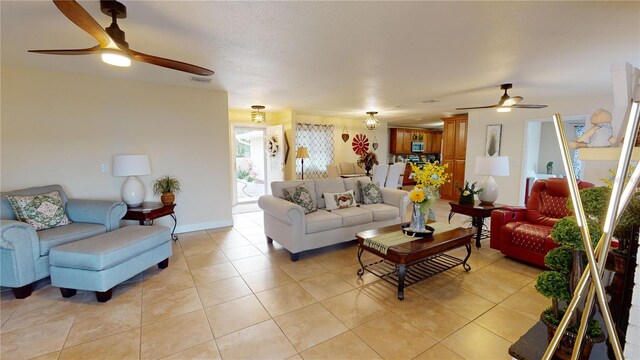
489, 193
133, 191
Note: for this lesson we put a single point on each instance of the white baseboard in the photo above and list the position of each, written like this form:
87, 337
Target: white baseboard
203, 226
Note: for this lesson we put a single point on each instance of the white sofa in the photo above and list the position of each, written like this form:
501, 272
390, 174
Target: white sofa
344, 168
287, 224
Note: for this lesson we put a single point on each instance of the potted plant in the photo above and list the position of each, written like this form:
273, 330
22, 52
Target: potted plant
166, 187
566, 264
368, 159
467, 193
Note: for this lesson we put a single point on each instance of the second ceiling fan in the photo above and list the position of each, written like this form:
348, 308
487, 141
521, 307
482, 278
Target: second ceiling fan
506, 102
111, 41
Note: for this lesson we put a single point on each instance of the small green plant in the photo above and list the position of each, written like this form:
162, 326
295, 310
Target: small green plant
468, 190
166, 184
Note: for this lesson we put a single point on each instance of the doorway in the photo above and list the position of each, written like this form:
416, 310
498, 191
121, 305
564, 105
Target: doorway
250, 160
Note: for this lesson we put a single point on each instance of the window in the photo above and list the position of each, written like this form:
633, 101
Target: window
318, 139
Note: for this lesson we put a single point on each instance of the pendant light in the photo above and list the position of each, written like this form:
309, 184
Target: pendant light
258, 115
371, 123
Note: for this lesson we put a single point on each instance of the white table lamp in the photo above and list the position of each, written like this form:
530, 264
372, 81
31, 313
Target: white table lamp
490, 166
132, 166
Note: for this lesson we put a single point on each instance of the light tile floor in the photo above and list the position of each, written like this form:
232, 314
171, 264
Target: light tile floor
228, 294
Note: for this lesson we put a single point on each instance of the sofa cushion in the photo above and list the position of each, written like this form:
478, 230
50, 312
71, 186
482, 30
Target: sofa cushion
371, 193
53, 237
553, 206
42, 211
333, 185
322, 220
354, 184
347, 168
530, 237
340, 200
382, 212
300, 195
277, 187
354, 216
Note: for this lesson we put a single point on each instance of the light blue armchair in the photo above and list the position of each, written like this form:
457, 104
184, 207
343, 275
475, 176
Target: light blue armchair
24, 252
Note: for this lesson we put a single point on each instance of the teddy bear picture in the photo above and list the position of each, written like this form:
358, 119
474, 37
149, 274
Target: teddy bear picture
599, 135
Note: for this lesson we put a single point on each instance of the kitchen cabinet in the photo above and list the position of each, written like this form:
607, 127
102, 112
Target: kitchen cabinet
436, 142
400, 140
454, 153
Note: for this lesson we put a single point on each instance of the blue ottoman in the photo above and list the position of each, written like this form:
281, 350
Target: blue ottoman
101, 262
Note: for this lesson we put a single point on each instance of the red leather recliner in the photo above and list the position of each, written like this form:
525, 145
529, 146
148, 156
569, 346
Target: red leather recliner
525, 233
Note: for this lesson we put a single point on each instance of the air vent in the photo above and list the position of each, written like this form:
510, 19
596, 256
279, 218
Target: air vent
200, 79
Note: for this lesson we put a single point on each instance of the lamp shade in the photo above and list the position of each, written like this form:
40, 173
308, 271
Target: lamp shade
492, 165
131, 165
302, 153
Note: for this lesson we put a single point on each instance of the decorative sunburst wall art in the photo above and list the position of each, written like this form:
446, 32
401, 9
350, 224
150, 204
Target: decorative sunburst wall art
360, 144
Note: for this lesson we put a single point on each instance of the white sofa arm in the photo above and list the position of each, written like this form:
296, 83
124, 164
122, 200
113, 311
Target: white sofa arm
281, 209
398, 198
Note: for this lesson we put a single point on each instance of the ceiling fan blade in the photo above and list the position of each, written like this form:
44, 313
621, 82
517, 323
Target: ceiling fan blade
512, 101
87, 51
79, 16
524, 106
479, 107
171, 64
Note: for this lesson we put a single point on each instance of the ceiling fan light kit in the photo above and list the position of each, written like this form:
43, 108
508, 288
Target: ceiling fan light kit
116, 58
506, 102
371, 123
112, 46
258, 115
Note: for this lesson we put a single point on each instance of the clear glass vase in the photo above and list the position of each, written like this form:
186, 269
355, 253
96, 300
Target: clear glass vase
418, 219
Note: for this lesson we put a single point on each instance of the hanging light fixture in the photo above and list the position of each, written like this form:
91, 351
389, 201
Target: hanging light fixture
258, 115
371, 122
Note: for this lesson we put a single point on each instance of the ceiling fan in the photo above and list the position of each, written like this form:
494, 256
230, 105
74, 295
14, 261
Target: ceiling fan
506, 102
111, 40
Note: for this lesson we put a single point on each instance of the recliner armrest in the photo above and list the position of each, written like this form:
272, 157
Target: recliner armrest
104, 212
501, 217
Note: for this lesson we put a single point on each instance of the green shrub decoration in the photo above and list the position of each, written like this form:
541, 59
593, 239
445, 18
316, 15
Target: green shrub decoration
560, 259
553, 285
567, 232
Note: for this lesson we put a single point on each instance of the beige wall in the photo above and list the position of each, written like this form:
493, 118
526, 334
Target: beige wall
512, 145
60, 127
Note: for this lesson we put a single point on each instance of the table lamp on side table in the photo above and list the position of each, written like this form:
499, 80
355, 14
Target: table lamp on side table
132, 166
490, 166
302, 154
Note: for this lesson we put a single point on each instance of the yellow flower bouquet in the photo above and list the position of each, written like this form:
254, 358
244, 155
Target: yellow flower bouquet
428, 177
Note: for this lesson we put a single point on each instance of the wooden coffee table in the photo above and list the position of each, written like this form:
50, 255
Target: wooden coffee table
417, 259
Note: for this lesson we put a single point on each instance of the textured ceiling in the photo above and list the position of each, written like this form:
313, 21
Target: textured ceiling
345, 58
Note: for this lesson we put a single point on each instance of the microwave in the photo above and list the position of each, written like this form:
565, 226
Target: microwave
417, 146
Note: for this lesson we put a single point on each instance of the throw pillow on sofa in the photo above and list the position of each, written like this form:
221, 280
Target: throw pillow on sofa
340, 200
301, 196
371, 193
42, 211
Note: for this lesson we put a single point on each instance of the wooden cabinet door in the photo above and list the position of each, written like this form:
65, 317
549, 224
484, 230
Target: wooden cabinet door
428, 140
458, 173
406, 142
395, 140
461, 140
449, 140
436, 142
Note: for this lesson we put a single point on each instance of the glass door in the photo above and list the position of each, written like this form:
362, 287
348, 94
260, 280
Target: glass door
250, 159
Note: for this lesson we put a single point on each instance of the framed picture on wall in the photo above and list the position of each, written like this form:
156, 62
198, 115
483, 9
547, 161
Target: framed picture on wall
492, 145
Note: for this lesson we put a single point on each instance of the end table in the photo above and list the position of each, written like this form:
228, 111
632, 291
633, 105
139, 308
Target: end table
478, 211
149, 211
